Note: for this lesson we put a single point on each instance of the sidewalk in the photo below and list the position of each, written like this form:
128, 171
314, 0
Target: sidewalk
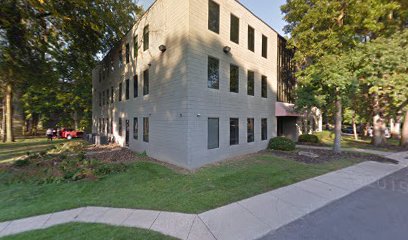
251, 218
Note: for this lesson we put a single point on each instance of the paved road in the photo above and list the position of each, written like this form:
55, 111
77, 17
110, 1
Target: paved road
376, 212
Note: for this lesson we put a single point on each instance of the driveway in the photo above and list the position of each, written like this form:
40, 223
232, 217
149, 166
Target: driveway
376, 212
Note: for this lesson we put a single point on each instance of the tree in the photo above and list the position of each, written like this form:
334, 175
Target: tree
324, 30
58, 41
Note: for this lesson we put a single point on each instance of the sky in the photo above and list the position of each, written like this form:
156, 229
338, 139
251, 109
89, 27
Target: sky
267, 10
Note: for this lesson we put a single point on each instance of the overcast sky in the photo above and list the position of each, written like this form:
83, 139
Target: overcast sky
267, 10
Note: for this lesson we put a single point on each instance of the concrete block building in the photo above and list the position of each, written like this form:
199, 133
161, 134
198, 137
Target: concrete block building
195, 82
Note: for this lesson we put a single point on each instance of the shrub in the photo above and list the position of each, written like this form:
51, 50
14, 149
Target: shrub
21, 162
281, 143
308, 138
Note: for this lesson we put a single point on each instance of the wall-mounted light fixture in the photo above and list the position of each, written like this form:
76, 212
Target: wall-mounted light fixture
198, 115
227, 49
162, 48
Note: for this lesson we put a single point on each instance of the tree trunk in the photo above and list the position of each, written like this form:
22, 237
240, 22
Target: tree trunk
379, 131
3, 122
404, 135
337, 127
354, 126
9, 113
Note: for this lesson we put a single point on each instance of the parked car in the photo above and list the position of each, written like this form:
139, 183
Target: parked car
71, 133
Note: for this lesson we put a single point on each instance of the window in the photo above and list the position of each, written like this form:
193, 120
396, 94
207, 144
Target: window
213, 73
135, 47
234, 131
250, 130
234, 79
264, 129
120, 58
146, 38
127, 89
264, 85
250, 84
120, 127
251, 38
286, 73
112, 100
213, 133
234, 29
100, 99
146, 82
135, 86
146, 129
264, 46
127, 53
135, 128
213, 16
120, 92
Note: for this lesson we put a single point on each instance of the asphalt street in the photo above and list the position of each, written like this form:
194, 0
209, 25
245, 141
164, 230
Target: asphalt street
376, 212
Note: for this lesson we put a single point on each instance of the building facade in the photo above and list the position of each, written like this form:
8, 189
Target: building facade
194, 82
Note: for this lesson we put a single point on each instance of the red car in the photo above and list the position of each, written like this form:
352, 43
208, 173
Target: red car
70, 134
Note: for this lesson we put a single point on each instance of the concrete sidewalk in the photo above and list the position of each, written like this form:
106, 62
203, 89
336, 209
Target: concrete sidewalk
251, 218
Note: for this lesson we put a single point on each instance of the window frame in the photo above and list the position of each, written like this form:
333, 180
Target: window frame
135, 128
264, 46
234, 29
120, 92
251, 38
146, 38
127, 53
135, 86
210, 83
234, 70
234, 129
146, 80
250, 81
250, 131
264, 86
120, 127
264, 131
135, 46
209, 145
146, 130
127, 89
216, 26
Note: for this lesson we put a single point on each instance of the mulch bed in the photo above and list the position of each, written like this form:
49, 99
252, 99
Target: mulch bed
328, 155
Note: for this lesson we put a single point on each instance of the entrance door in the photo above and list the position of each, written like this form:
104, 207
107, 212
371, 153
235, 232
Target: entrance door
127, 133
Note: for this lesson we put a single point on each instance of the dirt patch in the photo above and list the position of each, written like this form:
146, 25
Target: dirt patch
328, 155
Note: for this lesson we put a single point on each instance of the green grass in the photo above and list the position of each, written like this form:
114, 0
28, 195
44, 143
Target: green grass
77, 231
326, 138
147, 185
10, 151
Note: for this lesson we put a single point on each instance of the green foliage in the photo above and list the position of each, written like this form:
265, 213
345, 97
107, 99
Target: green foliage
21, 162
308, 138
281, 143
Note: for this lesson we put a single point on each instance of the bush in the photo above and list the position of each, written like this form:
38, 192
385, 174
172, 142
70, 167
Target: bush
21, 163
281, 143
308, 138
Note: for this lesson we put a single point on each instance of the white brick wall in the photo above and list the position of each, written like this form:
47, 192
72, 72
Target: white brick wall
178, 83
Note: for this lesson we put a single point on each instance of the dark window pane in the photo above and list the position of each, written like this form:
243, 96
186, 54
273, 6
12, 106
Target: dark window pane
135, 128
251, 82
250, 130
264, 87
213, 16
135, 46
234, 131
264, 130
234, 79
286, 73
120, 58
234, 29
251, 38
146, 129
264, 46
213, 73
213, 133
127, 89
120, 127
127, 53
145, 82
135, 86
146, 38
120, 92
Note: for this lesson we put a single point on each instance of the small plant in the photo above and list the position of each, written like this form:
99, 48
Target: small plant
308, 138
142, 154
281, 143
21, 162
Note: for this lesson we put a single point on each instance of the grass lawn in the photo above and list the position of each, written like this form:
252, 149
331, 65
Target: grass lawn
148, 185
10, 151
77, 231
348, 141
